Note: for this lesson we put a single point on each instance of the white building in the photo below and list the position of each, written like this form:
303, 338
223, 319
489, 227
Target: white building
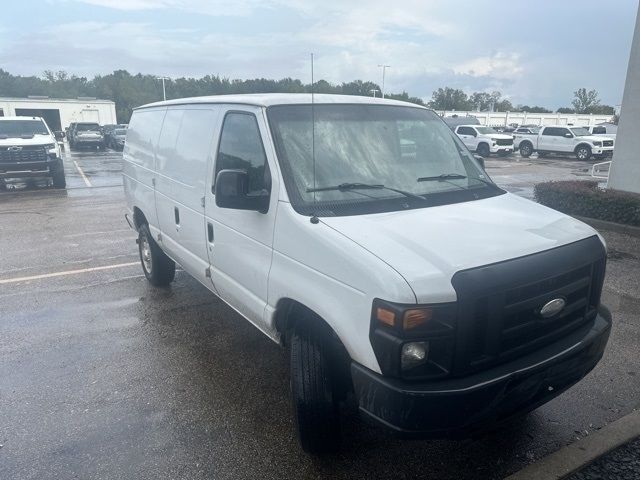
60, 112
503, 119
625, 168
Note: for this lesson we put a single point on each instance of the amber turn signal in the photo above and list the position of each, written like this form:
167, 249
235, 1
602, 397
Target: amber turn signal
386, 316
415, 318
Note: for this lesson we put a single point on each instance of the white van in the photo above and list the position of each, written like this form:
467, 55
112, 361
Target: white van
363, 235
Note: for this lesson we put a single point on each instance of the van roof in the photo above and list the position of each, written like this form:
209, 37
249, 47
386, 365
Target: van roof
269, 99
20, 118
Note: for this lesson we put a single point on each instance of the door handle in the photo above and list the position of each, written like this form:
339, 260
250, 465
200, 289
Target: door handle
176, 216
210, 232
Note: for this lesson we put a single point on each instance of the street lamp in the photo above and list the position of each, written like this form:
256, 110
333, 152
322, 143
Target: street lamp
164, 92
384, 70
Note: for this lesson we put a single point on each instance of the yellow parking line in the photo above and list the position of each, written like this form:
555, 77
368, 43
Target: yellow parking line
67, 272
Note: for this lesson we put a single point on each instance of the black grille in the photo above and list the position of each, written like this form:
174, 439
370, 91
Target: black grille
25, 154
503, 142
499, 305
607, 143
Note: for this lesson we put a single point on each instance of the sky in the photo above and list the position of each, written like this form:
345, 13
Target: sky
535, 52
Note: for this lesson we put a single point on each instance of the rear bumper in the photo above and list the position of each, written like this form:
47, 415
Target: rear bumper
460, 407
88, 142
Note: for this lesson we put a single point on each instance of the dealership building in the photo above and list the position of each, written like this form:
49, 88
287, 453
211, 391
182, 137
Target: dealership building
60, 112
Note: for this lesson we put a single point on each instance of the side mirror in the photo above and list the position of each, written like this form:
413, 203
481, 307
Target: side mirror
480, 160
232, 191
568, 135
59, 134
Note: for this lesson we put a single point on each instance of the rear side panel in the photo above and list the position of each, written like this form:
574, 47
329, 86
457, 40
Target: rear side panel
139, 162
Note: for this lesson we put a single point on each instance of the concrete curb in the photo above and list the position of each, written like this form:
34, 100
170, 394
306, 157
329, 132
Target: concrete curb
612, 226
577, 455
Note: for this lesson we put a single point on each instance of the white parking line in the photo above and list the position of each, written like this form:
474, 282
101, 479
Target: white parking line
67, 272
84, 177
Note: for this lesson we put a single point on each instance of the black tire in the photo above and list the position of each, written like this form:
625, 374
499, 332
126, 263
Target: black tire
159, 269
483, 150
315, 405
583, 152
526, 149
57, 175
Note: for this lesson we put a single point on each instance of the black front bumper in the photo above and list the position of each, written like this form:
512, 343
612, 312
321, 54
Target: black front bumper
24, 169
461, 406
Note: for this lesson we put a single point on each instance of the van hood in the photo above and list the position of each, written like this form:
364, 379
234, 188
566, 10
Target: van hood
22, 142
428, 246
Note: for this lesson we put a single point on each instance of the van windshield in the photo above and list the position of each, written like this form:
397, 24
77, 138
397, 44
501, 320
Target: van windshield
22, 128
405, 152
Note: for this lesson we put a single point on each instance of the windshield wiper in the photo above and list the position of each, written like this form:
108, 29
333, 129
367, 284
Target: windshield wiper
344, 187
441, 178
445, 177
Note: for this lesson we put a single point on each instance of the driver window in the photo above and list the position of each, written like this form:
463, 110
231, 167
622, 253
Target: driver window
241, 149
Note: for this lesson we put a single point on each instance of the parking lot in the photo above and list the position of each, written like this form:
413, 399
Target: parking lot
104, 376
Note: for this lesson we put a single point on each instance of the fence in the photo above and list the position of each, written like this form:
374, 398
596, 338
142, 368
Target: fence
502, 119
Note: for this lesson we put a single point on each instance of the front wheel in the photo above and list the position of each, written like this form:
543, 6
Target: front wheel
313, 392
583, 152
483, 150
57, 175
526, 149
159, 269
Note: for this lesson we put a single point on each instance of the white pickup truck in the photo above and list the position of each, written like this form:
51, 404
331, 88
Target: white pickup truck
572, 140
485, 140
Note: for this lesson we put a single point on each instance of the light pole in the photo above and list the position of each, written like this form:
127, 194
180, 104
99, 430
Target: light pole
373, 91
384, 70
164, 92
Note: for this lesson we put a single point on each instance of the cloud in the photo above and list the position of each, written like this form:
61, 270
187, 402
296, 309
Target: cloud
500, 65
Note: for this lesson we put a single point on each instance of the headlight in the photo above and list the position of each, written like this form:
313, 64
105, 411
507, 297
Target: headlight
597, 144
413, 341
51, 149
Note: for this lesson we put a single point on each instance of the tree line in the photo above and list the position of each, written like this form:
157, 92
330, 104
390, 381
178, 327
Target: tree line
455, 99
129, 91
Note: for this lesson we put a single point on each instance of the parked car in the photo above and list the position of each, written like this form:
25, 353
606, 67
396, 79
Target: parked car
608, 130
29, 149
86, 134
110, 135
401, 277
566, 140
485, 140
117, 138
455, 120
523, 132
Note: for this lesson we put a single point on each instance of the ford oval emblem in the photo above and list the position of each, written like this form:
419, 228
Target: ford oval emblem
553, 307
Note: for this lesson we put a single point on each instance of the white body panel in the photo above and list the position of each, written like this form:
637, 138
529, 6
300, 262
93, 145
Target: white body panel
335, 267
561, 144
474, 140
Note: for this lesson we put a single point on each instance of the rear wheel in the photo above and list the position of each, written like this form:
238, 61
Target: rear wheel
313, 390
583, 152
526, 149
57, 175
159, 269
483, 150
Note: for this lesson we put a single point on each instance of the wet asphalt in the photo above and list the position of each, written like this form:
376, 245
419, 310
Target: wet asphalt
104, 377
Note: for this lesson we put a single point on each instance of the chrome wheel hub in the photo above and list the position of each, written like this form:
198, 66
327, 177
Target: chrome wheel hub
145, 253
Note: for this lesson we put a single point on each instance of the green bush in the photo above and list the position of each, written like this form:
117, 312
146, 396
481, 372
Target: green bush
585, 198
